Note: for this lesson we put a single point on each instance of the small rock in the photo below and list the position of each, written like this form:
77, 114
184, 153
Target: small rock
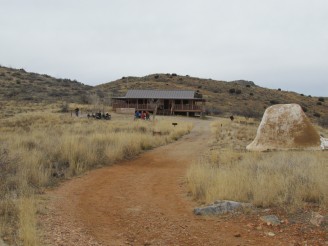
259, 228
221, 207
318, 219
270, 220
271, 234
237, 235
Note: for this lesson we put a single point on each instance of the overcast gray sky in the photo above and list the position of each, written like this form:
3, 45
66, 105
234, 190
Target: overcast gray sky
275, 43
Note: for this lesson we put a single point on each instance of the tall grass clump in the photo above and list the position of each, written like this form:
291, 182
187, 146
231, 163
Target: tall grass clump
37, 149
285, 179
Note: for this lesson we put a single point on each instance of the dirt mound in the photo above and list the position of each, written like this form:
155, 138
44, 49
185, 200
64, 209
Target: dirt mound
285, 126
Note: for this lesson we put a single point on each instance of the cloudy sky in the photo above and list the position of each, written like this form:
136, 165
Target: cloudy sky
275, 43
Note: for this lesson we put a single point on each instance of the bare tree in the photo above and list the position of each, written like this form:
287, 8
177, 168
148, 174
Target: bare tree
154, 103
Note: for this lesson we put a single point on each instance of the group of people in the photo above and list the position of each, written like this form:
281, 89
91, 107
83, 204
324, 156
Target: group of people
144, 115
99, 116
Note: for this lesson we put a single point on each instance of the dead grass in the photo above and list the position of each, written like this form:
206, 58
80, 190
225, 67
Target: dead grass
40, 148
286, 179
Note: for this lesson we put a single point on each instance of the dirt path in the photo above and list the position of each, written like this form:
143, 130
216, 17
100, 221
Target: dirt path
142, 202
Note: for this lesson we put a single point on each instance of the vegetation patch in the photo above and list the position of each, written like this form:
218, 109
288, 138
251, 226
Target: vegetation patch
38, 149
288, 180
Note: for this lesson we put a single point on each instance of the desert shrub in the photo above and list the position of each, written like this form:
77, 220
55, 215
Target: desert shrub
272, 102
16, 74
302, 95
174, 74
279, 89
321, 99
18, 81
248, 86
156, 76
251, 94
238, 91
2, 74
309, 96
319, 103
323, 121
317, 115
231, 91
250, 113
304, 109
64, 107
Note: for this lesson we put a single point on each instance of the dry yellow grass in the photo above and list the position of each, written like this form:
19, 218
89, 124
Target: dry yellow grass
286, 179
38, 148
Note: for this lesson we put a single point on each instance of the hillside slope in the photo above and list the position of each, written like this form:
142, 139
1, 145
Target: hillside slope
19, 85
223, 98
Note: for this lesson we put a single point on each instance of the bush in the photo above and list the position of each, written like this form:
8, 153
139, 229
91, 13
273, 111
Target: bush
156, 76
279, 89
317, 115
238, 91
324, 121
231, 91
304, 109
319, 103
251, 94
274, 102
321, 99
64, 108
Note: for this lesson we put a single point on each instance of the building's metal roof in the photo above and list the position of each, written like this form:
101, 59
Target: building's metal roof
163, 94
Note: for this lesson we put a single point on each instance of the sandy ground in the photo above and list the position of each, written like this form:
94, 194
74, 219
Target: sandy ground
145, 202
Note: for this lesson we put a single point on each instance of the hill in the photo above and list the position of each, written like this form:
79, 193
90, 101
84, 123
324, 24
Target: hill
19, 85
224, 98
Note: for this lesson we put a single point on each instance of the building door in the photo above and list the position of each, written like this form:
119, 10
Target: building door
166, 104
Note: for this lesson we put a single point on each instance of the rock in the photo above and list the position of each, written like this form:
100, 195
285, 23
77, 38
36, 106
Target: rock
221, 207
270, 234
324, 143
270, 220
284, 127
237, 235
318, 219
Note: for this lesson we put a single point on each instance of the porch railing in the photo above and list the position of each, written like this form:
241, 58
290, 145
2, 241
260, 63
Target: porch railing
177, 107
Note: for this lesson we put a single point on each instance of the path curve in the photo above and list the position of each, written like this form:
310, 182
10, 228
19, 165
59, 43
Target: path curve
140, 202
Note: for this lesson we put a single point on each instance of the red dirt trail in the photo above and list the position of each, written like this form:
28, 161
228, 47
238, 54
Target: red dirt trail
142, 202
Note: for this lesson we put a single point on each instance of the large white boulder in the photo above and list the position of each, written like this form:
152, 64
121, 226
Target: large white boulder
285, 126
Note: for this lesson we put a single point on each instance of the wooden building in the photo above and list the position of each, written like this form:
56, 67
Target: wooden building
168, 102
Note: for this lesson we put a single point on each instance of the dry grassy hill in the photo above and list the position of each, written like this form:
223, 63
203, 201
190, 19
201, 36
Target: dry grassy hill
224, 98
19, 85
